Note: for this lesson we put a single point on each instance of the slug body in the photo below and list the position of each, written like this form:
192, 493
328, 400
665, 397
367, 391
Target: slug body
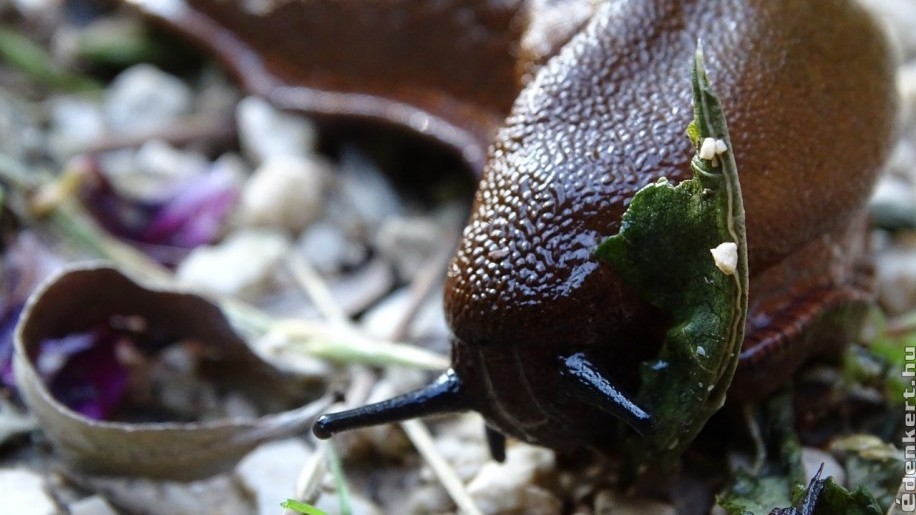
581, 112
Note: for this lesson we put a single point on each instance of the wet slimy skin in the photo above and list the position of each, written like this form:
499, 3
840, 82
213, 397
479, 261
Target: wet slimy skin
566, 117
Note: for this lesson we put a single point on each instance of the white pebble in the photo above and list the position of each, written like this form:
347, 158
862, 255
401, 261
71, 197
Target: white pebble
242, 265
407, 242
265, 131
330, 504
906, 85
608, 502
23, 491
899, 18
270, 472
726, 257
461, 442
330, 249
143, 98
813, 458
94, 505
20, 136
153, 170
75, 124
285, 192
897, 280
365, 191
512, 487
382, 318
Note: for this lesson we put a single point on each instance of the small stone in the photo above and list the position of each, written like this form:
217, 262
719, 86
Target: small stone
153, 171
158, 158
608, 502
20, 137
93, 505
242, 265
461, 442
76, 123
357, 291
899, 19
218, 494
285, 192
906, 85
388, 439
382, 318
426, 498
813, 458
365, 191
897, 280
902, 167
144, 98
13, 421
265, 131
270, 472
512, 487
36, 7
330, 504
330, 249
23, 491
893, 190
407, 242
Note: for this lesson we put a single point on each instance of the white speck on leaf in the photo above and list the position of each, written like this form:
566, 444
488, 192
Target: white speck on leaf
708, 149
726, 257
721, 147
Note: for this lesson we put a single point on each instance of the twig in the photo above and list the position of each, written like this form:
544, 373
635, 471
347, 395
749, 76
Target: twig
423, 286
421, 438
315, 287
190, 129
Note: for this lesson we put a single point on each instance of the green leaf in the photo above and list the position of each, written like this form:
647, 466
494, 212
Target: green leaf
762, 496
663, 251
751, 495
836, 500
777, 486
301, 507
873, 465
32, 60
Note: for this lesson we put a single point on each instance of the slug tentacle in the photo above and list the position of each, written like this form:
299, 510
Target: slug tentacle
445, 395
587, 384
496, 441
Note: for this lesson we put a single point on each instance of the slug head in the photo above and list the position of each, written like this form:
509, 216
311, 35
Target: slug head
547, 340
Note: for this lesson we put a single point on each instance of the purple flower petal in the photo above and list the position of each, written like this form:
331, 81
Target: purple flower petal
194, 215
83, 372
191, 214
7, 328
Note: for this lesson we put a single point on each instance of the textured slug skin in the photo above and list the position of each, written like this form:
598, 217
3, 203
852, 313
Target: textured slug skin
595, 106
808, 91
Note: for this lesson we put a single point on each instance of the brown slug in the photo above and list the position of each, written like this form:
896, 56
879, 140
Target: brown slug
582, 103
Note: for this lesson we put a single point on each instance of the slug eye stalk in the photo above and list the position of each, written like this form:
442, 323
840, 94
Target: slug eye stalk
445, 395
585, 383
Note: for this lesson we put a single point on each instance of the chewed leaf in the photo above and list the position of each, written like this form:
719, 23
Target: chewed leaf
89, 335
683, 249
768, 496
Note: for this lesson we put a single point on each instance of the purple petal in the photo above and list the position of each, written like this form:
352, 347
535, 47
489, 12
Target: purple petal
192, 214
83, 372
195, 214
7, 328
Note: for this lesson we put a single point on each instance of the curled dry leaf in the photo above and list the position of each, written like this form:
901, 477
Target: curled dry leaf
73, 306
